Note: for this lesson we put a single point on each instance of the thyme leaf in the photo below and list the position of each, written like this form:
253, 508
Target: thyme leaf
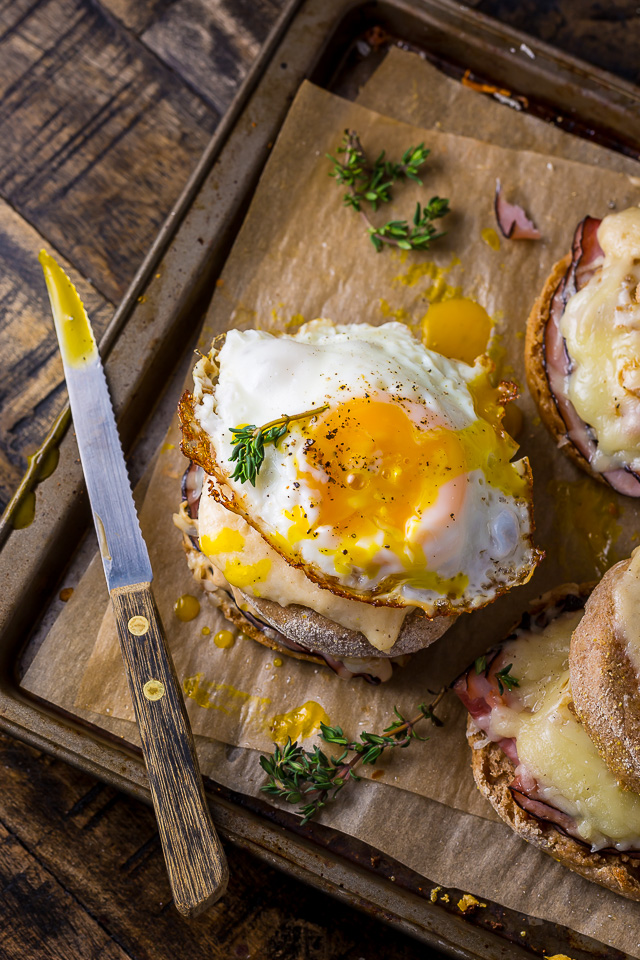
505, 679
370, 184
249, 442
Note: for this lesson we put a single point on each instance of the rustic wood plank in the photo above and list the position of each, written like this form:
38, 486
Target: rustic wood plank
102, 847
31, 379
137, 15
212, 43
39, 918
97, 137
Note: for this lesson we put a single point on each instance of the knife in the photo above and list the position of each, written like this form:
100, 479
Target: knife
195, 861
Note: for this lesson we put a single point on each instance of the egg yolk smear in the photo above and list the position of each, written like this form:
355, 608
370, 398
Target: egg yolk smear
384, 482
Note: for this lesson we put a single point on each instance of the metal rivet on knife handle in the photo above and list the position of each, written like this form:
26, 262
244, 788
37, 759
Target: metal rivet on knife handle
153, 690
138, 626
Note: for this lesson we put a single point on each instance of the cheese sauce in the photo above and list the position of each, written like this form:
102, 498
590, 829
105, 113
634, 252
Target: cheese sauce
552, 745
601, 327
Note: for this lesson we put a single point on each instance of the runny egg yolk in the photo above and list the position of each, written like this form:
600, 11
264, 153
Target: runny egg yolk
459, 329
381, 481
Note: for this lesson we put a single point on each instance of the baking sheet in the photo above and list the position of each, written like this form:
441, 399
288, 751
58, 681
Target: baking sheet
285, 251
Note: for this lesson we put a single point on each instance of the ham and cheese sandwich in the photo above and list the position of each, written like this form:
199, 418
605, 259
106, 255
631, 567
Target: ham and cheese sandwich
553, 727
582, 351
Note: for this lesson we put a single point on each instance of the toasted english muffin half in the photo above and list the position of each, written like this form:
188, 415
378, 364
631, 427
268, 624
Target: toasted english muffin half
604, 682
536, 369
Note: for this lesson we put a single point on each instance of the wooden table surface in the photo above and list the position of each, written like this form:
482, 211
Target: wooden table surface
105, 106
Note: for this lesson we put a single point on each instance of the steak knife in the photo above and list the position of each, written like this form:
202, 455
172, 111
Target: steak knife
194, 857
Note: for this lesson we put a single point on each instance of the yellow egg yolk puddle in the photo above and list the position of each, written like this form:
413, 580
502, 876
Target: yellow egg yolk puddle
376, 474
299, 723
459, 329
186, 607
77, 343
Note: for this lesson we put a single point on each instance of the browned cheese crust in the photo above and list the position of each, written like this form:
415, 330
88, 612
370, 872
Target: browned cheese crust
605, 685
493, 772
536, 370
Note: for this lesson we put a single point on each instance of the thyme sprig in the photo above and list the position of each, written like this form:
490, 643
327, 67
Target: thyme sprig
313, 779
371, 183
249, 442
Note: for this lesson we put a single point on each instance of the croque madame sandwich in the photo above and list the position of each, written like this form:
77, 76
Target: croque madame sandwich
350, 492
583, 350
554, 727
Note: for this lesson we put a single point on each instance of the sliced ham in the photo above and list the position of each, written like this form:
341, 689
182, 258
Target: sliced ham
512, 220
586, 259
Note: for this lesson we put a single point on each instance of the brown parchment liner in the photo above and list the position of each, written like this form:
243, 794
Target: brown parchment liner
300, 254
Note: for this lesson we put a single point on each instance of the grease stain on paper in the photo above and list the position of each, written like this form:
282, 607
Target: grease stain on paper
222, 696
587, 518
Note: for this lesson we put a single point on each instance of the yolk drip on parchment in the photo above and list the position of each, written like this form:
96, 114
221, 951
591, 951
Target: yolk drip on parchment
186, 607
459, 329
299, 723
224, 639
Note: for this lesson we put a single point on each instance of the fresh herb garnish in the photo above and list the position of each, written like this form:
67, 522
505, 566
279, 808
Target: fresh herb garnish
249, 443
505, 679
312, 778
371, 183
480, 664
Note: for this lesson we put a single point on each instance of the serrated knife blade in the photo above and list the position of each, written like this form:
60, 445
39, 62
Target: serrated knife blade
195, 861
124, 553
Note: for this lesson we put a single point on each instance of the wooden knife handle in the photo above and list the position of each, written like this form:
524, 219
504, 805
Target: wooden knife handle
194, 857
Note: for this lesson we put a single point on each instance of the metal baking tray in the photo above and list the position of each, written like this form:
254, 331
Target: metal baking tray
326, 42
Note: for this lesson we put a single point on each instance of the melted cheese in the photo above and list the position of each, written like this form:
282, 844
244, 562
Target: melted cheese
240, 552
601, 326
552, 745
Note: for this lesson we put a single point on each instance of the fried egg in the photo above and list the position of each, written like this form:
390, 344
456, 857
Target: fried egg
400, 490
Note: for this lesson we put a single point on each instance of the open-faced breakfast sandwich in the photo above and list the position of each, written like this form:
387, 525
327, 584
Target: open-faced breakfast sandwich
554, 727
583, 350
350, 492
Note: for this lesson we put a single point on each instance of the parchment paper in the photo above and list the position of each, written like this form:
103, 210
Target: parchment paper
411, 89
301, 254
